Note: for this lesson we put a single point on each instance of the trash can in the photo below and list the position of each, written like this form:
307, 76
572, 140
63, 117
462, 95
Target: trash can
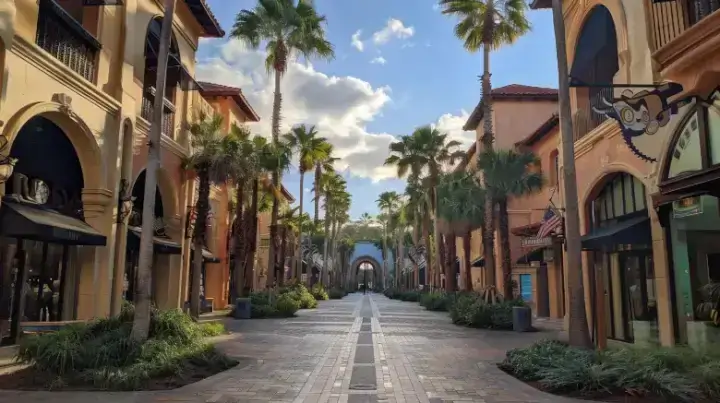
522, 319
242, 308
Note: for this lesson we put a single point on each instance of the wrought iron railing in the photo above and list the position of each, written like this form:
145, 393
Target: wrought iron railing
671, 18
59, 34
168, 119
585, 118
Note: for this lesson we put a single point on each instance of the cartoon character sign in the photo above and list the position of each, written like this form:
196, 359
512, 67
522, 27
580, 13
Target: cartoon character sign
644, 112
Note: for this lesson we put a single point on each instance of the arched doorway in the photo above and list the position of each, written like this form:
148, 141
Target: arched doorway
42, 226
619, 240
366, 270
163, 245
594, 67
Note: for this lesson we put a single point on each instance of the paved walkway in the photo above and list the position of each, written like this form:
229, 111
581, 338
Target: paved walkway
355, 350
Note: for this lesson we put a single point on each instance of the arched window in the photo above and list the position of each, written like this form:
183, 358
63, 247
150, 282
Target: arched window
554, 168
593, 68
622, 197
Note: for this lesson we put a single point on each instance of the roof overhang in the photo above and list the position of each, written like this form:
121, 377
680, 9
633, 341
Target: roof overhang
206, 19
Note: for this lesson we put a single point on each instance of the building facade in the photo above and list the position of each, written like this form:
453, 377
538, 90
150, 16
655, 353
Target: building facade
77, 92
644, 115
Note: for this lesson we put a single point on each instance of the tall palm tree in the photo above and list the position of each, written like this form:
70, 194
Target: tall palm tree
366, 219
508, 174
488, 24
426, 150
417, 209
325, 165
387, 202
212, 164
286, 27
334, 187
458, 193
310, 148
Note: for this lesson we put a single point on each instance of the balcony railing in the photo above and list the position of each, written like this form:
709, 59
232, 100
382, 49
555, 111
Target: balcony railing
59, 34
585, 118
168, 118
671, 18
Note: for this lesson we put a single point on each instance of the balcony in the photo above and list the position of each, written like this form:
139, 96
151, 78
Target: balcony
685, 35
59, 34
168, 119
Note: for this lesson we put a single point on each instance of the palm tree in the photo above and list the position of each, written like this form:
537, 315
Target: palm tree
246, 166
310, 149
285, 27
334, 188
366, 219
417, 208
425, 150
488, 24
212, 164
508, 174
324, 165
336, 215
458, 193
387, 202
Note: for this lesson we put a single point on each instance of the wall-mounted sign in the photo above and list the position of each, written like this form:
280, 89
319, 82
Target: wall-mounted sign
687, 207
536, 242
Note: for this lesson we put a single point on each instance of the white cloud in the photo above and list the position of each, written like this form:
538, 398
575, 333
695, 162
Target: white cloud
340, 106
452, 125
356, 42
378, 60
393, 29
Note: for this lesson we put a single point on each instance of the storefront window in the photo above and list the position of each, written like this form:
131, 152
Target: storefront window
686, 154
714, 132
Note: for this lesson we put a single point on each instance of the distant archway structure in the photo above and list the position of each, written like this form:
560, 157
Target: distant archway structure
365, 260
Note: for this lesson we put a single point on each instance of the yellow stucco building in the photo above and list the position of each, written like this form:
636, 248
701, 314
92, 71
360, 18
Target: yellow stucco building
76, 94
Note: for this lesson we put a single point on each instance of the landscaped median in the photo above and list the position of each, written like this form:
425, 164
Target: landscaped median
285, 302
100, 355
628, 374
484, 310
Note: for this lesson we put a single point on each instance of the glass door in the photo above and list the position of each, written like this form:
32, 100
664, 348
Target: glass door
639, 294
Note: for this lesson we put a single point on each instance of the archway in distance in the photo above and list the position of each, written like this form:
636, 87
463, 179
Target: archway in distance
365, 269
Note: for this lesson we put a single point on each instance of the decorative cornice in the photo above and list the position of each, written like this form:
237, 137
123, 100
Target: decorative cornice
606, 130
43, 61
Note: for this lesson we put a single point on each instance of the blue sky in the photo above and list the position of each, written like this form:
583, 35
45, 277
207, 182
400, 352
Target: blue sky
411, 71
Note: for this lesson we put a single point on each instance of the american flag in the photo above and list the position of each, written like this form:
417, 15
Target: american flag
550, 221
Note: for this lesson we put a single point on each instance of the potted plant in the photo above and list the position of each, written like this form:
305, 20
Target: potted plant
707, 330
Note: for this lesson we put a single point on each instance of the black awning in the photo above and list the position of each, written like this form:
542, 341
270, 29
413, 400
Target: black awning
161, 245
208, 256
479, 262
596, 60
632, 231
28, 221
535, 255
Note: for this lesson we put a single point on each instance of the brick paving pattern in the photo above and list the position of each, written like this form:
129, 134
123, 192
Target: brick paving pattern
416, 356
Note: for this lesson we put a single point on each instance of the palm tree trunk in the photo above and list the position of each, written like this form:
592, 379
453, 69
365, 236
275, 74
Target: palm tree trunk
239, 240
199, 240
450, 256
468, 268
316, 185
416, 242
504, 233
300, 242
141, 321
283, 249
436, 233
276, 178
327, 235
252, 220
578, 332
488, 234
428, 248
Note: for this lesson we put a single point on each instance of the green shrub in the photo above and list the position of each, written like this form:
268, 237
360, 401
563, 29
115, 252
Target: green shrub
319, 293
411, 296
211, 329
435, 301
103, 354
677, 374
336, 293
263, 311
286, 306
470, 309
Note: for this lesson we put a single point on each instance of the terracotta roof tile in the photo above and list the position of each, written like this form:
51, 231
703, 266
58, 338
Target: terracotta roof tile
205, 17
218, 90
508, 92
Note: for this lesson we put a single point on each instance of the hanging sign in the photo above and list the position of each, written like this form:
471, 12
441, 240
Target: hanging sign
536, 242
687, 207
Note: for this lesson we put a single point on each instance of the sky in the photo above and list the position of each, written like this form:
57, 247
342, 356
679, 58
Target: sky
397, 66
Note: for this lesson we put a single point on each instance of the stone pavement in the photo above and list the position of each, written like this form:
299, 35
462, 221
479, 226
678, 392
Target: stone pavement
355, 350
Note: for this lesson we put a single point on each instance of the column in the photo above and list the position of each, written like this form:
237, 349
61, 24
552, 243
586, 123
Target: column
174, 265
95, 270
662, 281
